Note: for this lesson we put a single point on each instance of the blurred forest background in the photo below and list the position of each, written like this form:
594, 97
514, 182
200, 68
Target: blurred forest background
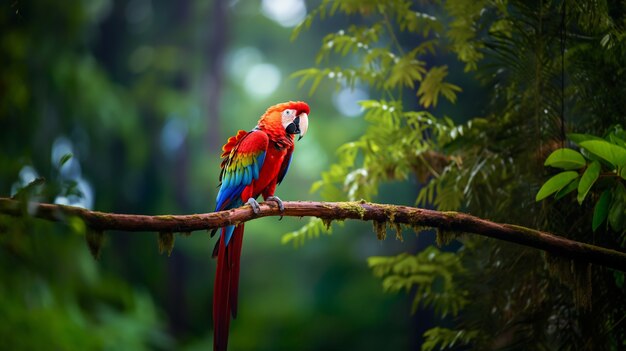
450, 105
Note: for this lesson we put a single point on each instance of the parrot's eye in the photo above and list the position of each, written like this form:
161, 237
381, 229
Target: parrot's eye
288, 116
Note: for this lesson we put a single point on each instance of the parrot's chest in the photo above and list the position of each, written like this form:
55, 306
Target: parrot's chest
271, 167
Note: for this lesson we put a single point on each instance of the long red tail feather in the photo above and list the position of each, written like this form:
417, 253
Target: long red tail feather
226, 287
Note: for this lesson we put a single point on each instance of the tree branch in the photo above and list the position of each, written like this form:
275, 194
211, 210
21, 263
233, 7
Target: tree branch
414, 217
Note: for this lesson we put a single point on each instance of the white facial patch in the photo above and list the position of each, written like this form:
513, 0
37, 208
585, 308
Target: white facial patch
288, 116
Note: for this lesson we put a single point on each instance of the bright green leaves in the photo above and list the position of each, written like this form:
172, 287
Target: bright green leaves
433, 85
568, 189
587, 180
405, 72
555, 184
612, 153
566, 159
601, 159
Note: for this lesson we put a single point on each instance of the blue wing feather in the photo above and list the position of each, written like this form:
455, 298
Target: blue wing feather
228, 233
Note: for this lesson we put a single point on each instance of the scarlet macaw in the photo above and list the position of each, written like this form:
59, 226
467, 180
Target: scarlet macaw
253, 163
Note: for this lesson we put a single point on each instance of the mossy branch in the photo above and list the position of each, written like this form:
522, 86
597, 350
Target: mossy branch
411, 216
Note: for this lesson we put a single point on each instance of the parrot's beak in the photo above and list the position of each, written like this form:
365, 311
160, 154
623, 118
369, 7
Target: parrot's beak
303, 125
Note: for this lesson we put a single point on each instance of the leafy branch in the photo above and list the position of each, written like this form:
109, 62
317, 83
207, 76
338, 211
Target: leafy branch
446, 222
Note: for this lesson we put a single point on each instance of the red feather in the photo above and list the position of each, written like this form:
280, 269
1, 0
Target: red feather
226, 287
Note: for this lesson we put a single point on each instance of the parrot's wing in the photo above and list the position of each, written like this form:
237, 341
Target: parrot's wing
243, 158
284, 167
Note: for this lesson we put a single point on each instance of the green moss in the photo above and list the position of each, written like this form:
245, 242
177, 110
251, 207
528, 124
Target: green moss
390, 211
398, 228
450, 214
327, 222
185, 233
353, 207
166, 242
380, 228
95, 241
444, 237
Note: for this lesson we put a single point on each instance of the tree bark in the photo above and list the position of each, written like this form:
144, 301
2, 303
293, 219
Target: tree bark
417, 218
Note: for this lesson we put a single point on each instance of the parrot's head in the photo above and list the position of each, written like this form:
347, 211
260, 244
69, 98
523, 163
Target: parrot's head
290, 117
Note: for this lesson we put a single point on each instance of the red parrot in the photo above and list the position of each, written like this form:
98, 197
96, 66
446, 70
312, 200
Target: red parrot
253, 163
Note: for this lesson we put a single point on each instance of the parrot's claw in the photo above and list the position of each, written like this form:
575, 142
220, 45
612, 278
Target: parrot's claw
255, 205
278, 201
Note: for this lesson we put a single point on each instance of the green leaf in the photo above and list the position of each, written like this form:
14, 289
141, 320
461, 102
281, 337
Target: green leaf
612, 153
565, 159
568, 189
622, 172
555, 184
586, 181
602, 210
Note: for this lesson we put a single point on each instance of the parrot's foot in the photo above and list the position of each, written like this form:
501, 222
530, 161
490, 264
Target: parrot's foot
255, 205
278, 201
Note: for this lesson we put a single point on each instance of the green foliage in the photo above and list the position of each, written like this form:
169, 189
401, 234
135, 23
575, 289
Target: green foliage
555, 184
382, 64
313, 229
429, 274
433, 86
565, 159
614, 154
463, 30
606, 157
444, 339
